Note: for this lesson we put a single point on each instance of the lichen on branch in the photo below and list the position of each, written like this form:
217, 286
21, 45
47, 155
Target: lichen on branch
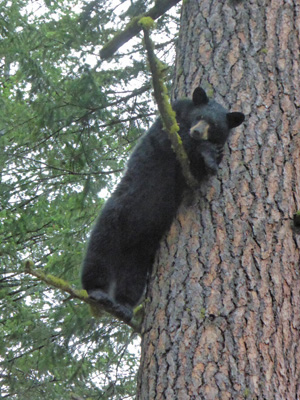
56, 282
96, 308
167, 114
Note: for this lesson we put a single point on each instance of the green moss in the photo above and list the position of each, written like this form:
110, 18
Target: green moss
174, 129
138, 309
82, 293
147, 23
210, 92
202, 313
264, 50
138, 317
208, 88
168, 116
58, 282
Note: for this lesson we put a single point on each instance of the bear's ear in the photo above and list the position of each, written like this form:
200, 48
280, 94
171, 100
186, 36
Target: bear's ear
235, 119
199, 97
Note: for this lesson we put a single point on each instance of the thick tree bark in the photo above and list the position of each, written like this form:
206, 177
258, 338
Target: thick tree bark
223, 320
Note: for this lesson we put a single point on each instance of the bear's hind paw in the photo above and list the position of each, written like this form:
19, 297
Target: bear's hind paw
111, 306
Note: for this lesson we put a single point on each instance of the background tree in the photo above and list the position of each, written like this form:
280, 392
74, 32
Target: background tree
224, 311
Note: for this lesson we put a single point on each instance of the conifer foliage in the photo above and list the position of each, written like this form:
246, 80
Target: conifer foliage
68, 122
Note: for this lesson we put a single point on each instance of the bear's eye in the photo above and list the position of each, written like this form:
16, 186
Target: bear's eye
199, 118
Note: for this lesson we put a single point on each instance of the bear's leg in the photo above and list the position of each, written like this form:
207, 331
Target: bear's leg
99, 274
130, 284
210, 163
212, 155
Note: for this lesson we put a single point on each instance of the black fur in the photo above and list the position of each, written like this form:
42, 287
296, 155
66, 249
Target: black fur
126, 236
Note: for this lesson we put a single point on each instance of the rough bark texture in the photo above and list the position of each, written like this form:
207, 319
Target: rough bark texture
223, 320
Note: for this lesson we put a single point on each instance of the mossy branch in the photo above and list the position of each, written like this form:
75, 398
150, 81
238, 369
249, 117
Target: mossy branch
167, 114
133, 28
56, 282
96, 308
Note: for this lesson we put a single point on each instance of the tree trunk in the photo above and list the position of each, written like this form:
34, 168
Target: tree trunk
223, 320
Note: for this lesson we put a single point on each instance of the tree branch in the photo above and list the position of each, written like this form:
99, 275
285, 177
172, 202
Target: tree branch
167, 114
97, 309
133, 28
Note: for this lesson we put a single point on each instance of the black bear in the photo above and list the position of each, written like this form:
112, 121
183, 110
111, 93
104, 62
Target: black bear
126, 236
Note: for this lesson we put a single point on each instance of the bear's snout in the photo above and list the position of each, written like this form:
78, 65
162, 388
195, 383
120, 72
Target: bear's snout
200, 131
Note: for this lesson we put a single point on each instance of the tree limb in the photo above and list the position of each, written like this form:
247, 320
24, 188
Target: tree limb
82, 295
167, 114
133, 28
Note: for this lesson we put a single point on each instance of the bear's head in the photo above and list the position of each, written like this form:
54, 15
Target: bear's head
206, 119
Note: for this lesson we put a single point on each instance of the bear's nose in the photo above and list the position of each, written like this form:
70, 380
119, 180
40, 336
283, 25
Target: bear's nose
200, 131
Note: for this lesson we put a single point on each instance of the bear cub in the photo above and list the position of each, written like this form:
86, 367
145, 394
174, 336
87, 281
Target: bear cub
127, 234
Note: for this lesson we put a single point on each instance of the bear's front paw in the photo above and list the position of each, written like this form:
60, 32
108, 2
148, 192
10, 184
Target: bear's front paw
211, 163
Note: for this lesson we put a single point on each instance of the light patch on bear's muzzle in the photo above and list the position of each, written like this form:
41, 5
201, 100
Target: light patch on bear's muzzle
200, 131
